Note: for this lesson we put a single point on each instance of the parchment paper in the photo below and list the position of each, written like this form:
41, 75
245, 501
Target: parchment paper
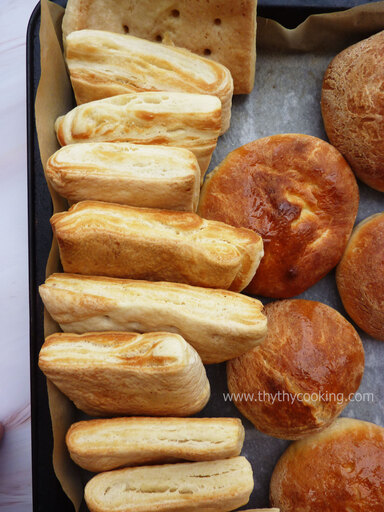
286, 98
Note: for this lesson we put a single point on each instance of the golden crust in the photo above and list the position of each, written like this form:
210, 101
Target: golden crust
299, 194
103, 64
102, 445
133, 174
189, 121
309, 349
352, 105
115, 373
158, 245
360, 277
220, 485
340, 469
219, 324
224, 30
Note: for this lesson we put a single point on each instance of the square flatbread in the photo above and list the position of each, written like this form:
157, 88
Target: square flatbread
223, 30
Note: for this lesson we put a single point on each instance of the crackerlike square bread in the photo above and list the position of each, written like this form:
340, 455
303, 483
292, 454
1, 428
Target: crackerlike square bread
223, 30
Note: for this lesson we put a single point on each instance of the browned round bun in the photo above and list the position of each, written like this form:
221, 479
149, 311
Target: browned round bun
338, 470
299, 194
360, 276
302, 375
352, 105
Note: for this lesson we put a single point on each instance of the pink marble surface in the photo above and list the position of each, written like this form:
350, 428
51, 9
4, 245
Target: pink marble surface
15, 447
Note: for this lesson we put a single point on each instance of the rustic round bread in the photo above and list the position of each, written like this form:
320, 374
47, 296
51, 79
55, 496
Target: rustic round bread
338, 470
352, 105
360, 276
302, 375
299, 194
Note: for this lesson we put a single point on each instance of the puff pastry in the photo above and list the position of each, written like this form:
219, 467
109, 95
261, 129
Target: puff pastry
103, 64
220, 325
133, 174
220, 485
116, 373
189, 121
223, 30
157, 245
101, 445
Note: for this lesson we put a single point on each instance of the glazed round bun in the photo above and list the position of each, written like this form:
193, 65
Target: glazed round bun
302, 375
299, 194
352, 105
339, 470
360, 276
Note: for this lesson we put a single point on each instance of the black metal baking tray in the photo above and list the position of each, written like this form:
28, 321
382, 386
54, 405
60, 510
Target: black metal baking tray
47, 492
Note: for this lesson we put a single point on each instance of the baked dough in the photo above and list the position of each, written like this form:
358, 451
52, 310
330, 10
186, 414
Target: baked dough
103, 64
115, 373
220, 485
341, 469
224, 31
360, 276
157, 245
303, 374
133, 174
189, 121
219, 324
299, 194
352, 106
102, 445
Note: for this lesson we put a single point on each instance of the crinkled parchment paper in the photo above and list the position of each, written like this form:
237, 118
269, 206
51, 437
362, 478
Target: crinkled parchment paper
286, 98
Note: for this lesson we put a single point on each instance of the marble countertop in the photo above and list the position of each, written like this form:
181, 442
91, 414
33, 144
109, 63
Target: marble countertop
15, 447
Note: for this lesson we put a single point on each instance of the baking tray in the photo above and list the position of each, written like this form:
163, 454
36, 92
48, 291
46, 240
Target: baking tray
47, 492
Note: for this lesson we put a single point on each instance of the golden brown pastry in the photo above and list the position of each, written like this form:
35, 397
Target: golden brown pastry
157, 245
189, 121
360, 276
352, 106
133, 174
219, 324
303, 374
341, 469
223, 31
115, 373
101, 445
103, 64
299, 194
220, 485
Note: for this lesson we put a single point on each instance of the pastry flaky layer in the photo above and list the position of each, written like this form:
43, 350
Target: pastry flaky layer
189, 121
158, 245
102, 445
103, 64
116, 373
223, 30
220, 485
219, 324
138, 175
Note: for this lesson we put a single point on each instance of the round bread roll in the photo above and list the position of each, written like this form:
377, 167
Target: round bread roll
360, 276
352, 105
338, 470
302, 375
299, 194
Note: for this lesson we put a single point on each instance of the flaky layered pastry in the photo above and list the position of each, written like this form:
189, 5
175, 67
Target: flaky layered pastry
220, 485
219, 324
138, 175
115, 373
224, 31
103, 64
157, 245
189, 121
102, 445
